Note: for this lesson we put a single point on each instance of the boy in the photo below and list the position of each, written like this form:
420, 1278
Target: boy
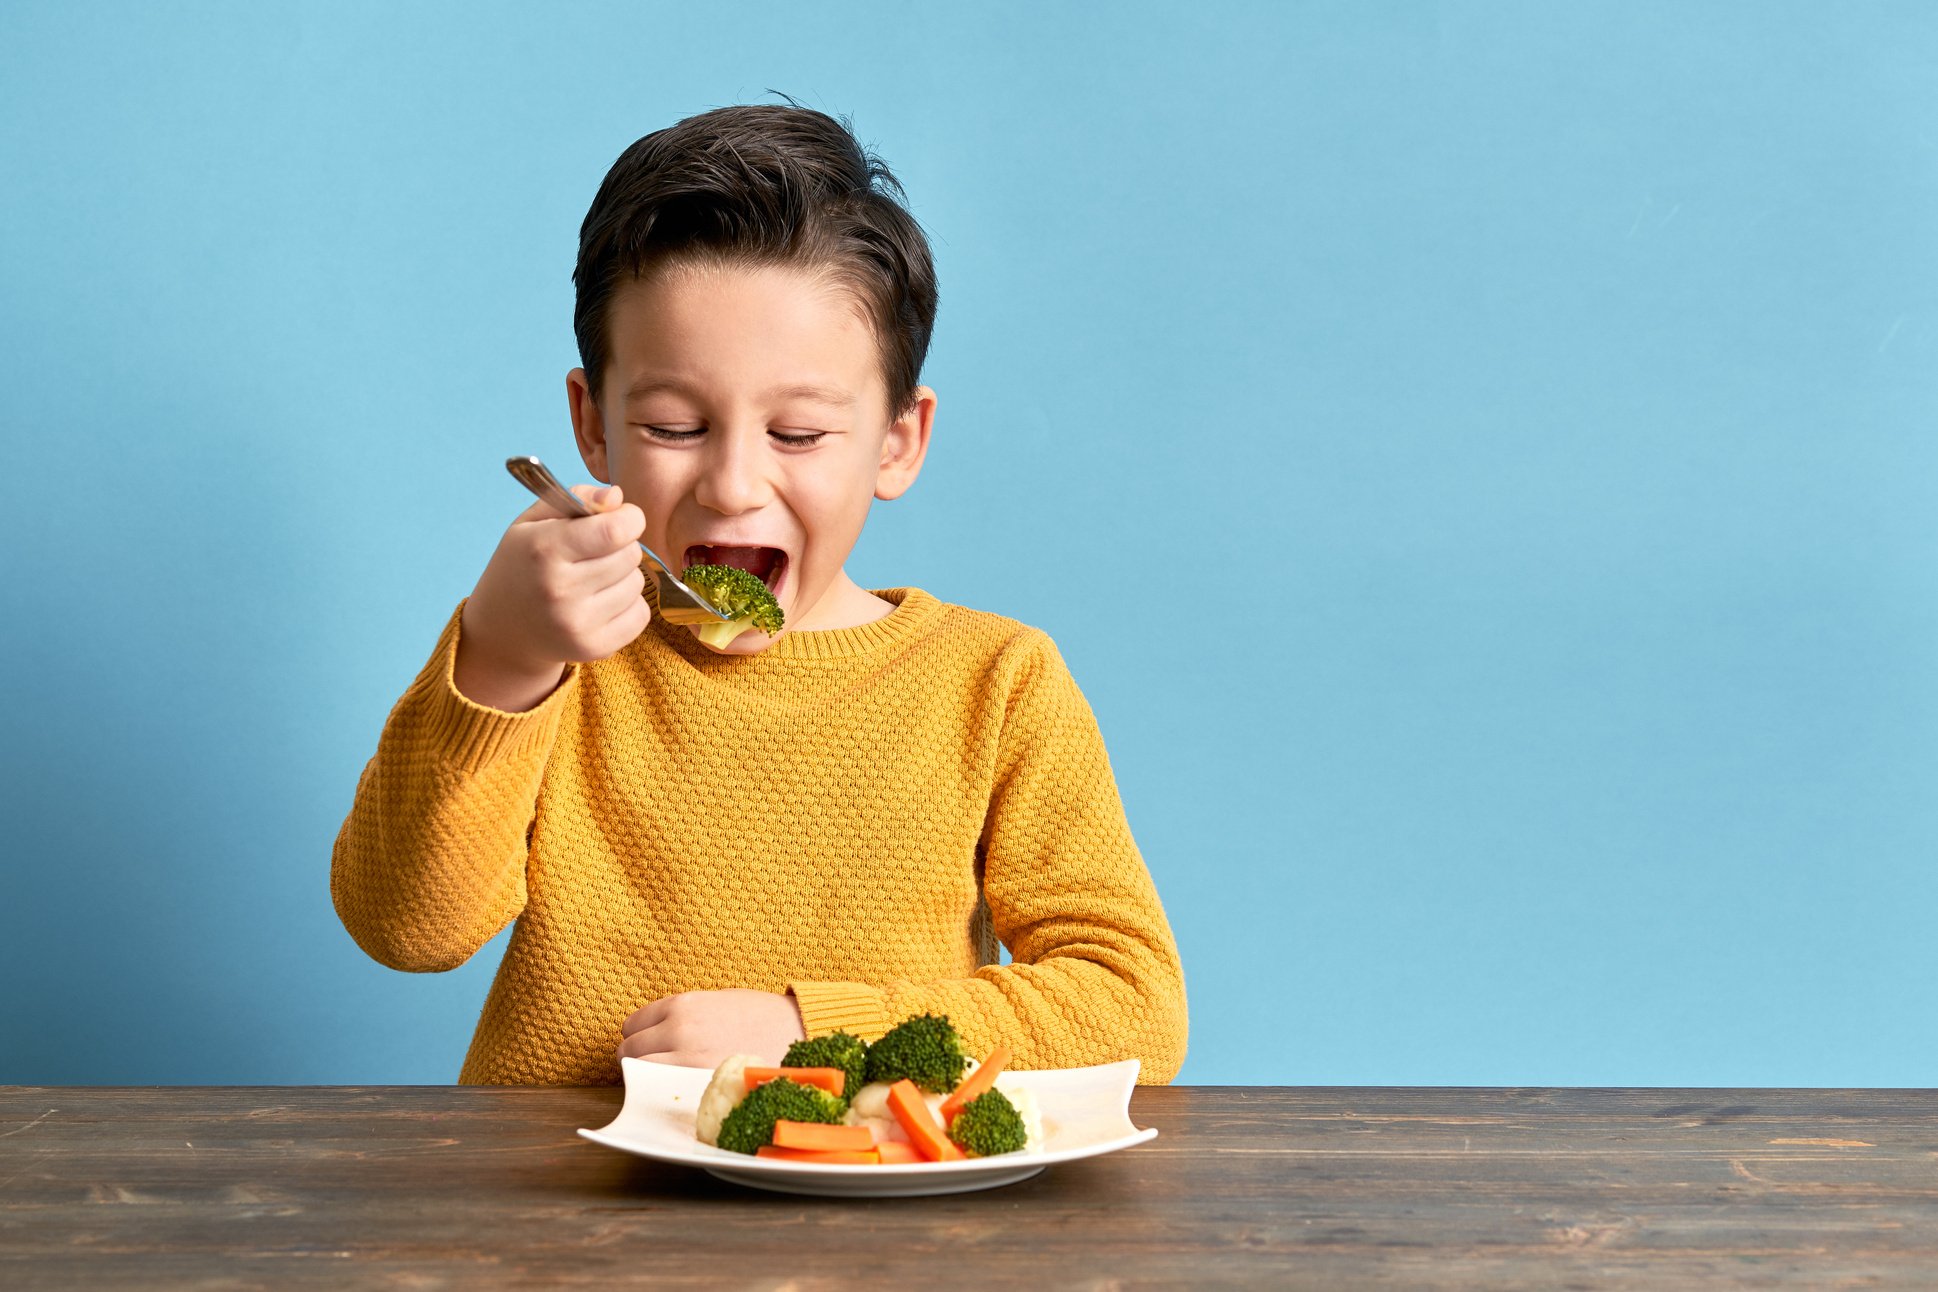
718, 851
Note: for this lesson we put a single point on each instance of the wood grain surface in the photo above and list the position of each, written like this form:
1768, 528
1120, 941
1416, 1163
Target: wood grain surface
482, 1187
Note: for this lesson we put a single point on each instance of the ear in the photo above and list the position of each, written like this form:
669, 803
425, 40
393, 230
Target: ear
588, 428
905, 446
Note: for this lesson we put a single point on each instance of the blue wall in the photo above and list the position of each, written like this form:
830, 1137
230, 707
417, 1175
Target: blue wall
1547, 391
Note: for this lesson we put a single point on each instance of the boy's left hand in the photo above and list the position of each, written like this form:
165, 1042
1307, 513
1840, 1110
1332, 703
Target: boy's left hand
697, 1029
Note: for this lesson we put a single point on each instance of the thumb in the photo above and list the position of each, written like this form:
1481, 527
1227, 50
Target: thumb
599, 497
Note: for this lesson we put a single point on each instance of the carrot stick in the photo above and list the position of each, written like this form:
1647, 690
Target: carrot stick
832, 1080
980, 1080
905, 1101
820, 1138
895, 1152
806, 1155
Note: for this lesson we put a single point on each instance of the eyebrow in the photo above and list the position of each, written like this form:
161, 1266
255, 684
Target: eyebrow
813, 394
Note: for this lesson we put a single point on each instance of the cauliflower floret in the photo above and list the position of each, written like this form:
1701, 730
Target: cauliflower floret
728, 1088
870, 1108
1026, 1108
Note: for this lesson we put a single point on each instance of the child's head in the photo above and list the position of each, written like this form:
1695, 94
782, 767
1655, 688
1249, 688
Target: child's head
754, 306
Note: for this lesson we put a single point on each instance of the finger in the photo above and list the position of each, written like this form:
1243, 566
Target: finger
540, 510
604, 624
652, 1044
596, 573
628, 523
617, 607
599, 497
580, 583
592, 495
620, 631
645, 1016
591, 606
612, 531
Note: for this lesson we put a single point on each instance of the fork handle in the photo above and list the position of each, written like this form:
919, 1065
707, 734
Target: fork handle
538, 478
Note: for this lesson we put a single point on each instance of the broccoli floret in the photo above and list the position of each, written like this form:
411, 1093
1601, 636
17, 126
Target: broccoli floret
835, 1050
739, 595
925, 1049
751, 1123
989, 1124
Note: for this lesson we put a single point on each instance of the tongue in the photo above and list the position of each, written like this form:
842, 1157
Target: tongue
757, 561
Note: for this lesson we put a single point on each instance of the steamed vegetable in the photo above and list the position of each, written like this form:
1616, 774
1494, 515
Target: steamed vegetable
924, 1132
737, 594
989, 1124
924, 1049
822, 1138
983, 1078
835, 1050
856, 1157
831, 1080
751, 1123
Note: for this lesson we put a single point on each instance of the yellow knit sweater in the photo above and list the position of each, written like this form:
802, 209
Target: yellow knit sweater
856, 815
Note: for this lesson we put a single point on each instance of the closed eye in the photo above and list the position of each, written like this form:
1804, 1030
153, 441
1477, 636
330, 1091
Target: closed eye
666, 436
791, 439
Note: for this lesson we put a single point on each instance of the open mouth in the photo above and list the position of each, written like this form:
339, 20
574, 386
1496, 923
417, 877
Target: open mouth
764, 563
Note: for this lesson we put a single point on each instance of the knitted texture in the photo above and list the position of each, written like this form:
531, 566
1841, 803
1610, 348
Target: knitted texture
856, 815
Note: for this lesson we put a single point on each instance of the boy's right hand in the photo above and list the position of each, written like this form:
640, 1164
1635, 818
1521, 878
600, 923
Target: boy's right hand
559, 590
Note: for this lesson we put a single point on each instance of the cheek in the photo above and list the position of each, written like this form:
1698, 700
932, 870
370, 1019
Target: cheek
647, 490
836, 507
649, 479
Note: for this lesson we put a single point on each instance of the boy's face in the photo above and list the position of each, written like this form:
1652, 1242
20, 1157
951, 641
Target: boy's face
745, 412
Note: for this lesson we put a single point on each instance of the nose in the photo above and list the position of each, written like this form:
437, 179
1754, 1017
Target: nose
733, 480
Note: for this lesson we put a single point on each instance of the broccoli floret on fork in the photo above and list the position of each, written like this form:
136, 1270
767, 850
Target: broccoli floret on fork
737, 594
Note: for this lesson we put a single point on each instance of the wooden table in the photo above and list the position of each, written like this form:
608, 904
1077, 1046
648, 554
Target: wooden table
480, 1187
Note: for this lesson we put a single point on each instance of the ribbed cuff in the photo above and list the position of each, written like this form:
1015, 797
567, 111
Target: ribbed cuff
471, 736
851, 1007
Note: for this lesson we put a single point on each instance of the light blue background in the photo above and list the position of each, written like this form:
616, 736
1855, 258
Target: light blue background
1500, 438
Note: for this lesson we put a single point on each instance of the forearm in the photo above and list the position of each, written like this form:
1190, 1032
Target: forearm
430, 862
1113, 998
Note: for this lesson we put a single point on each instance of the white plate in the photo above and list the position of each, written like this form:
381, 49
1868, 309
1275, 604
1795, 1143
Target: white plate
1086, 1111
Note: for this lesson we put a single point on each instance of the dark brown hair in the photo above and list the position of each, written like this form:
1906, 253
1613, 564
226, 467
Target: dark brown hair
761, 184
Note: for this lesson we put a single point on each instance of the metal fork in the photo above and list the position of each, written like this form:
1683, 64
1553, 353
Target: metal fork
678, 604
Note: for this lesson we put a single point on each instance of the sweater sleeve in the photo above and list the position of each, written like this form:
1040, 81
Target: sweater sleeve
1095, 975
430, 862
